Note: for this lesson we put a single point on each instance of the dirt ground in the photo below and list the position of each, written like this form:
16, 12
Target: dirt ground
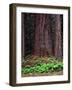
43, 74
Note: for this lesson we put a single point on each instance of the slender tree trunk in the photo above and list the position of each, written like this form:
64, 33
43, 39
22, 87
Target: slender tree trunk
22, 37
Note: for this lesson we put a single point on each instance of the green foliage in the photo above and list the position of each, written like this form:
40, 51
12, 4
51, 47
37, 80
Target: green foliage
43, 67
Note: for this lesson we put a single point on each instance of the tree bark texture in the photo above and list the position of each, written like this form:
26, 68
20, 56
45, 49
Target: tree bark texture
42, 35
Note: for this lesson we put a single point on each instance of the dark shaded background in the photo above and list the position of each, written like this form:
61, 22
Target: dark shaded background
42, 35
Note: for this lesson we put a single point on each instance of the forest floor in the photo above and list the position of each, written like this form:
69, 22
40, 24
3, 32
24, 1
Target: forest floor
41, 66
44, 74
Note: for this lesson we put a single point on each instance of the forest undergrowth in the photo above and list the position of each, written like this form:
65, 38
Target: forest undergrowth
38, 66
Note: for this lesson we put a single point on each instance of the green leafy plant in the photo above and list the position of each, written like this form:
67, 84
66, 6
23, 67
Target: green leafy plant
42, 67
35, 64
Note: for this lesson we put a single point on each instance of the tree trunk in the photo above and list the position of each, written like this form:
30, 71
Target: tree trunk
48, 39
42, 35
37, 36
43, 42
58, 37
22, 37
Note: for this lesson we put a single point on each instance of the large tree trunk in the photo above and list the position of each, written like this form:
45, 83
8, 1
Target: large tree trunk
42, 35
48, 38
37, 36
42, 23
58, 37
43, 41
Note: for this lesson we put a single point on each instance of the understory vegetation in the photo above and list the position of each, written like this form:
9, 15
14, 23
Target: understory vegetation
39, 65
